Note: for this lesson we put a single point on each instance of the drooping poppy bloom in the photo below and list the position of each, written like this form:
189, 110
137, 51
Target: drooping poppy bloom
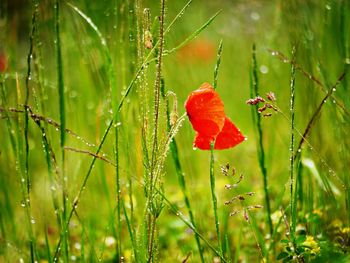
205, 110
198, 51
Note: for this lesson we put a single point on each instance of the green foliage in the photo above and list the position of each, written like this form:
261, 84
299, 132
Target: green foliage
96, 156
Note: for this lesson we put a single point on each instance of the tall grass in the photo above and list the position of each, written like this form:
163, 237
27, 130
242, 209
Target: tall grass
96, 162
62, 114
293, 183
254, 92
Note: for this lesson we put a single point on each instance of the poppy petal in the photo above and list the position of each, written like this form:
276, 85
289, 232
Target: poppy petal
202, 142
205, 110
229, 137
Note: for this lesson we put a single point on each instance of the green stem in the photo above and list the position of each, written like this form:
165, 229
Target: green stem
213, 197
60, 86
180, 173
217, 65
26, 129
254, 91
189, 224
157, 85
291, 150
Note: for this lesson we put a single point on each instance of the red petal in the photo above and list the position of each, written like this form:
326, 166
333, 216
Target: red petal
205, 110
229, 137
202, 142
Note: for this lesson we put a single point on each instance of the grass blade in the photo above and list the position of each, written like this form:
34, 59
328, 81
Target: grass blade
193, 35
179, 171
217, 65
291, 150
254, 92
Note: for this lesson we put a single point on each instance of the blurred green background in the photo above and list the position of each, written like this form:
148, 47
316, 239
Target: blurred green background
320, 33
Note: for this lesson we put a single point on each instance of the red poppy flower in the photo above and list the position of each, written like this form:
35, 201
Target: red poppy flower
205, 110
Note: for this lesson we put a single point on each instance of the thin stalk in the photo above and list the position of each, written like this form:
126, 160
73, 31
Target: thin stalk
131, 233
193, 35
189, 224
61, 100
254, 91
315, 115
127, 91
213, 197
180, 173
153, 218
26, 129
345, 40
227, 249
291, 150
308, 75
47, 244
81, 189
51, 166
217, 65
119, 225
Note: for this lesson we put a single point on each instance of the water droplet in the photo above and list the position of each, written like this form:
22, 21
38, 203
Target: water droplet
255, 16
264, 69
334, 89
77, 246
32, 220
328, 7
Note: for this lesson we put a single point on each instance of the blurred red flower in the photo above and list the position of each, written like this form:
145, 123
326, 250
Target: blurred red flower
200, 50
3, 62
205, 110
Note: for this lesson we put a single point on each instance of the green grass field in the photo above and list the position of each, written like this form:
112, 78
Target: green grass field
97, 162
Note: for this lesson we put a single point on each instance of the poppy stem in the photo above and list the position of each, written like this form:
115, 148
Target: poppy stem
213, 196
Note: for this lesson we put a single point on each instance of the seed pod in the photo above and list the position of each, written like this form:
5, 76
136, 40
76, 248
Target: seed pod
271, 96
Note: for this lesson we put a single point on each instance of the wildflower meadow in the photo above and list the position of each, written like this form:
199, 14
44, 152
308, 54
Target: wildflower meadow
174, 131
